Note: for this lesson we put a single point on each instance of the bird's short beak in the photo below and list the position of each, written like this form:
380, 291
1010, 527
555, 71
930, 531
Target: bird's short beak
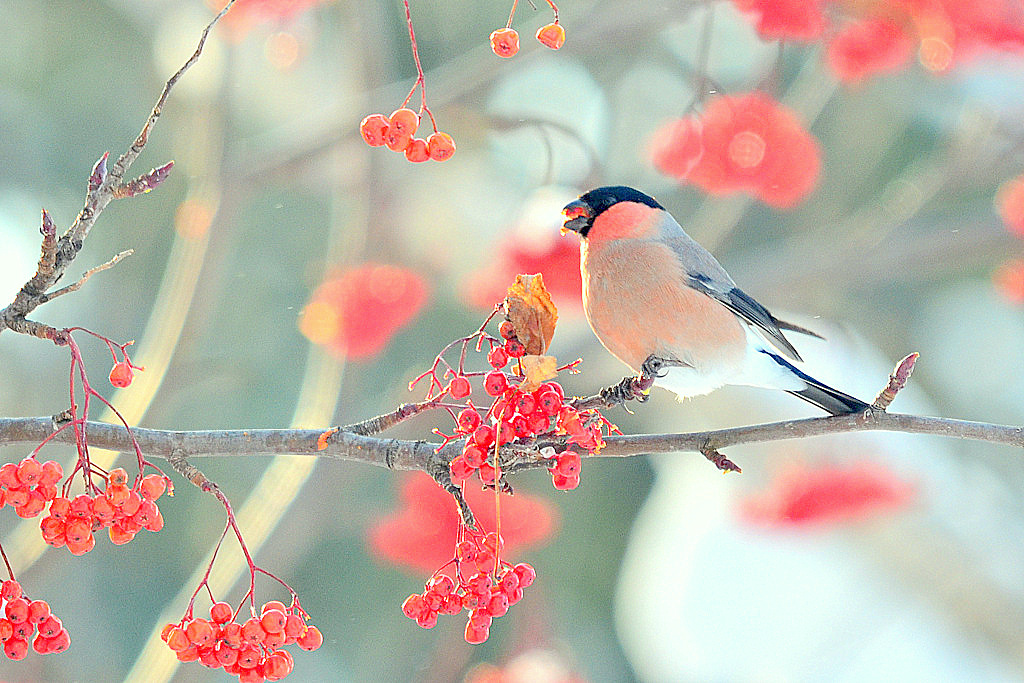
577, 217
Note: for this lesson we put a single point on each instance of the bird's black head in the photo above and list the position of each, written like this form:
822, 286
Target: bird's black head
580, 214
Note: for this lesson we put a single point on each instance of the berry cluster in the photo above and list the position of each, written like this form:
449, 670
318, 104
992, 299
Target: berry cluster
251, 649
122, 509
28, 485
484, 586
396, 133
516, 414
23, 617
744, 143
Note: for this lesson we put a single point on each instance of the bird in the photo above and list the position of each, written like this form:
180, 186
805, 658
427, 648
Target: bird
664, 306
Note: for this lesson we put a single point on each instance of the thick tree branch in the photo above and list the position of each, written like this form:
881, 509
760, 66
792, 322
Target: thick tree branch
419, 455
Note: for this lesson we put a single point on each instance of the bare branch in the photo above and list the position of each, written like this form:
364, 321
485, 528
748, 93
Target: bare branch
86, 275
419, 455
103, 186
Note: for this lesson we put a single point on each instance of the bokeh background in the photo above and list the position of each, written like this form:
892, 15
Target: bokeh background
867, 557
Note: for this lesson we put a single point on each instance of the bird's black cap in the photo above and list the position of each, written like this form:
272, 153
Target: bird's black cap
581, 213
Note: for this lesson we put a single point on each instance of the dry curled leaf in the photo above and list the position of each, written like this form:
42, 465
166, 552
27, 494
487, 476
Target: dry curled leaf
529, 308
538, 369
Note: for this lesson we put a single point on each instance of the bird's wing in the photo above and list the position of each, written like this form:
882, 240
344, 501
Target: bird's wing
705, 274
737, 301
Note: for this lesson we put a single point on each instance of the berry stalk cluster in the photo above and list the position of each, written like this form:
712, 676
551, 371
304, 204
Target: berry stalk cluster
505, 41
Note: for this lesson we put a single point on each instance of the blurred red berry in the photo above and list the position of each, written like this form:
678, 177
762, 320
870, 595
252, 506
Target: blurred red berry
417, 152
421, 534
826, 494
785, 19
459, 387
336, 315
403, 122
1010, 202
864, 48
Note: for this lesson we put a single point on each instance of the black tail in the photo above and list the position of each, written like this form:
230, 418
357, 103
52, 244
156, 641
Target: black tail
825, 397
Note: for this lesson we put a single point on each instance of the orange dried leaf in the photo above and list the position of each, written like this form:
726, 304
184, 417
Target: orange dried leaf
533, 314
538, 369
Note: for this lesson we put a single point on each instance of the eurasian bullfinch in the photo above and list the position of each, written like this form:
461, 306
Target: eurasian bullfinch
658, 300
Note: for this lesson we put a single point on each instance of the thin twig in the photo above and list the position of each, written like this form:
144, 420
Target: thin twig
85, 276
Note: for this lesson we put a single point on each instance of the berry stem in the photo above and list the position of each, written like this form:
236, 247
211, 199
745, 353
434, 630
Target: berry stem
512, 13
554, 8
10, 572
420, 81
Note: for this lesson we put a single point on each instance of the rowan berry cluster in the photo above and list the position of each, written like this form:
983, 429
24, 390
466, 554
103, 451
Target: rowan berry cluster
121, 509
251, 650
484, 586
505, 41
516, 414
23, 617
28, 485
397, 132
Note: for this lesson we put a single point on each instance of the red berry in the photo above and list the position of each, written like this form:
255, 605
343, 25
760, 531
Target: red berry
480, 617
416, 151
17, 610
252, 631
16, 497
9, 475
404, 122
441, 584
396, 142
177, 640
495, 383
373, 129
121, 374
460, 470
311, 639
539, 423
526, 404
483, 436
294, 627
514, 348
117, 494
487, 473
459, 387
465, 551
469, 420
102, 509
277, 666
60, 507
16, 648
248, 657
52, 626
476, 635
526, 574
272, 604
521, 426
497, 357
498, 605
509, 581
440, 146
60, 642
152, 487
568, 464
505, 42
552, 35
564, 483
29, 471
52, 473
38, 612
506, 432
6, 629
118, 476
220, 612
551, 386
549, 403
273, 620
413, 606
199, 632
507, 330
